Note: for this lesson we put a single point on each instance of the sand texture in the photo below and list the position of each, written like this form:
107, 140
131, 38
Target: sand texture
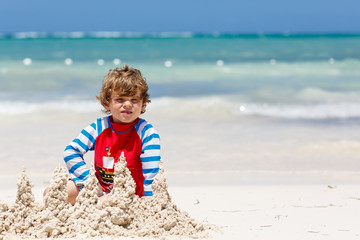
124, 214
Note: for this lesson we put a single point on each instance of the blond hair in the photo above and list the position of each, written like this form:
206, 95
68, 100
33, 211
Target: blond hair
124, 81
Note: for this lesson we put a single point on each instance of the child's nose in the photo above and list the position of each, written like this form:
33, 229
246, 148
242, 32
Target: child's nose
127, 103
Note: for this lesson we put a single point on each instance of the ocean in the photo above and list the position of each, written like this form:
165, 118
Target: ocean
230, 108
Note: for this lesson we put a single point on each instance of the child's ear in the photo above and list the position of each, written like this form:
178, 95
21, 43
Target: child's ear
107, 107
143, 108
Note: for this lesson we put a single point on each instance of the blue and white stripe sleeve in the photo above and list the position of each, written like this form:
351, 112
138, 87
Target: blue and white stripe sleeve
74, 152
150, 157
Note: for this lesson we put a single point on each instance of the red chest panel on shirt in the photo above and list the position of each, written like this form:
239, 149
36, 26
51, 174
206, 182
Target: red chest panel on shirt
108, 147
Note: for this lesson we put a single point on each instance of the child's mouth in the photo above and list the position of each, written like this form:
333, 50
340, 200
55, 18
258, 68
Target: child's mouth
126, 112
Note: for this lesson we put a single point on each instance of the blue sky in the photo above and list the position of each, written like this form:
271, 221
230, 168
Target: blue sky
204, 16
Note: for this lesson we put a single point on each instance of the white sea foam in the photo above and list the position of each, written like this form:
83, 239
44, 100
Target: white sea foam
220, 63
27, 61
209, 106
105, 34
24, 35
69, 34
21, 107
173, 34
116, 61
100, 62
320, 111
227, 106
168, 63
68, 61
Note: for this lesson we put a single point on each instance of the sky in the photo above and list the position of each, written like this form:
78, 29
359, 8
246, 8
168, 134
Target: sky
200, 16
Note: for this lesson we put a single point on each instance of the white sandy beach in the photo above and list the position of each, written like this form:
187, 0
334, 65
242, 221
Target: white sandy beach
258, 179
276, 212
266, 212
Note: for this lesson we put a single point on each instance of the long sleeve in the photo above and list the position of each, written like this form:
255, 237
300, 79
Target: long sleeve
74, 152
150, 157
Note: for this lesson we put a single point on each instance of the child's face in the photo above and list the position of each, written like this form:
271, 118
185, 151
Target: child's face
125, 109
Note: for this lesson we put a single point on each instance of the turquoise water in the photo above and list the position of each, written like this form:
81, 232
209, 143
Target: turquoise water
279, 75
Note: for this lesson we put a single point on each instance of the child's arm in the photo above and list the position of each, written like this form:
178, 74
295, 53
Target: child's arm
150, 157
74, 152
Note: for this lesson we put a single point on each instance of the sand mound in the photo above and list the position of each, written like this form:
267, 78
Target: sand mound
124, 214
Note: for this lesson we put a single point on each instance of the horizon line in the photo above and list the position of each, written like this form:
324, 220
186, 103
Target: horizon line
125, 34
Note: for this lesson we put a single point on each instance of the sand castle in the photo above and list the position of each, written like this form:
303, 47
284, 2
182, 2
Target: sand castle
124, 214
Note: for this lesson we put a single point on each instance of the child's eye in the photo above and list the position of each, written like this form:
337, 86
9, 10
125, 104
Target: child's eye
132, 100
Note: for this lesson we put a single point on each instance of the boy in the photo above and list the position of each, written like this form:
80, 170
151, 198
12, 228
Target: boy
124, 95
